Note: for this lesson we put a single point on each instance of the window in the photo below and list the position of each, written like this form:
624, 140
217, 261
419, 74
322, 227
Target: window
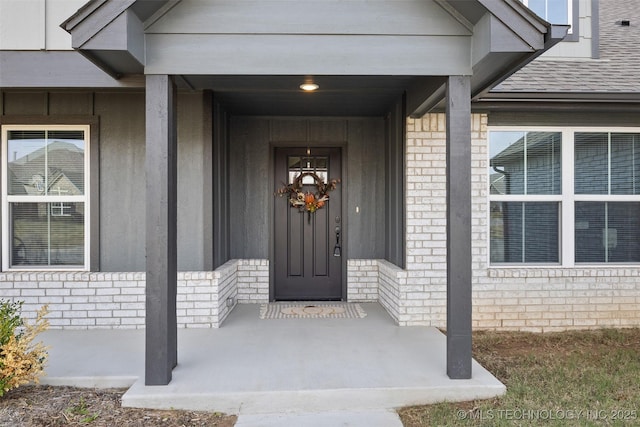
553, 11
564, 196
607, 210
525, 181
308, 164
45, 199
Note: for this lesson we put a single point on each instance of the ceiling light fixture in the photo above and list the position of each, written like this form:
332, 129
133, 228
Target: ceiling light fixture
309, 87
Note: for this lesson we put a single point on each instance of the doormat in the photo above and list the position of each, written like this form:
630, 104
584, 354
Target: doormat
340, 310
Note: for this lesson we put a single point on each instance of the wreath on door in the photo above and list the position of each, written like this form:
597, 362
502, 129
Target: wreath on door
308, 201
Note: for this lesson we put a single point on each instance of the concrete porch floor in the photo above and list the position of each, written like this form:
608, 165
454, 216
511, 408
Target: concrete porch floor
253, 366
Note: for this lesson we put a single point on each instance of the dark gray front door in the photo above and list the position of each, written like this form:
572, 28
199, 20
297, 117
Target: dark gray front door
308, 245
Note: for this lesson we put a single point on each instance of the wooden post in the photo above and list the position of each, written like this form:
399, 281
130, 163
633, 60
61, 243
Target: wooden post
161, 351
458, 111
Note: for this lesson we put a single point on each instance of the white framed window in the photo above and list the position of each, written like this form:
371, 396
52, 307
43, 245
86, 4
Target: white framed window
553, 11
45, 197
564, 196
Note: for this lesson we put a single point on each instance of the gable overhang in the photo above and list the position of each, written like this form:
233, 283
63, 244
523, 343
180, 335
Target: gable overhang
486, 39
506, 37
111, 33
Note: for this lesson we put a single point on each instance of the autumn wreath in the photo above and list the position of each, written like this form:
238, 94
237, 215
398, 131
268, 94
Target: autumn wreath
308, 201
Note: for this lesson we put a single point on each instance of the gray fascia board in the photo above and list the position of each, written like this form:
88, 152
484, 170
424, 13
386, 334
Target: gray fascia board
57, 69
455, 14
125, 35
518, 18
86, 10
95, 21
538, 35
563, 96
554, 35
558, 106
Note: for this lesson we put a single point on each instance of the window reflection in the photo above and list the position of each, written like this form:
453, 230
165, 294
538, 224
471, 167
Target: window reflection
45, 163
525, 162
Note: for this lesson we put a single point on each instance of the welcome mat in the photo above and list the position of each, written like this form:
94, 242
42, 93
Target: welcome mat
341, 310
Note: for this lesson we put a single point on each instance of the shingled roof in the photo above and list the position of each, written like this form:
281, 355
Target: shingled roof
615, 72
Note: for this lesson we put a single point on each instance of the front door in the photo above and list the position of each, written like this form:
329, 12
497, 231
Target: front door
308, 229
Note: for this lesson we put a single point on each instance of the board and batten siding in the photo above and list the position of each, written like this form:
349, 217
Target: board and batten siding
251, 183
122, 173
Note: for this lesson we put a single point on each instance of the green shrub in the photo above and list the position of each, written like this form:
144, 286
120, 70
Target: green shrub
21, 360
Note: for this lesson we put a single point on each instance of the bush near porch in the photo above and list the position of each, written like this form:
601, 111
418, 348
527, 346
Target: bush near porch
565, 378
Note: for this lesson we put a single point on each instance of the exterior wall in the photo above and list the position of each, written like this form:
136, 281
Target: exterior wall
35, 24
253, 281
362, 280
251, 184
581, 46
370, 280
392, 283
117, 300
122, 169
423, 299
535, 299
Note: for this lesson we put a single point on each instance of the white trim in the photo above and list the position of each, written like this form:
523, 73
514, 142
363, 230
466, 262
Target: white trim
567, 198
7, 199
567, 208
569, 13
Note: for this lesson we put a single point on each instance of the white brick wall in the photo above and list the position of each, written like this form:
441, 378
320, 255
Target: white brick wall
362, 280
117, 300
392, 282
253, 280
532, 299
423, 299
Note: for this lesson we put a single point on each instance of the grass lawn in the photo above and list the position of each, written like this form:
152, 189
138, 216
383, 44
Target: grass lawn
556, 379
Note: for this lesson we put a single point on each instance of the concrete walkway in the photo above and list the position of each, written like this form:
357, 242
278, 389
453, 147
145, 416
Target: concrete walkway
347, 368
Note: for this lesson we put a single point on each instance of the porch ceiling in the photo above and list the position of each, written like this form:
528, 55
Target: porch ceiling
281, 95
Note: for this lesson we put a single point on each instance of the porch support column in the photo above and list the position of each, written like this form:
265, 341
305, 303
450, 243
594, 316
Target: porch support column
161, 350
458, 111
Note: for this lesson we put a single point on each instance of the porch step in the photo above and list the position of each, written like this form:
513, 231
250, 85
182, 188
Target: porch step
377, 418
308, 401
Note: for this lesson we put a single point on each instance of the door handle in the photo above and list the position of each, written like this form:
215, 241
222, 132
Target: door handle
337, 250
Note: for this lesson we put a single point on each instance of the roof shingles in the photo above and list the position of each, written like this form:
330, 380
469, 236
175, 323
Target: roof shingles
615, 72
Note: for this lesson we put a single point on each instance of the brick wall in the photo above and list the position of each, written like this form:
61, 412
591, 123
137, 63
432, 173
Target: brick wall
117, 300
393, 287
532, 299
362, 280
424, 301
253, 280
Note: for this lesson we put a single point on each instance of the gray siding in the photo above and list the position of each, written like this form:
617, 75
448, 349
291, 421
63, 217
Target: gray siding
122, 175
274, 37
245, 211
251, 184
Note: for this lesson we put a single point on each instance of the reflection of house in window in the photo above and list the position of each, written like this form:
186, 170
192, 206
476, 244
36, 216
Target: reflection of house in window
530, 165
57, 165
45, 198
527, 165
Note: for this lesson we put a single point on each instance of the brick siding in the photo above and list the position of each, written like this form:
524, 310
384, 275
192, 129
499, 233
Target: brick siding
531, 299
117, 300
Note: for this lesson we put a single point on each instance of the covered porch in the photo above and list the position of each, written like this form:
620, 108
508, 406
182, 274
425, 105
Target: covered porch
261, 366
423, 56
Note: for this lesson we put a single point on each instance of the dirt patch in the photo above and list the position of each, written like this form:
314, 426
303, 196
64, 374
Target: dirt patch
41, 406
